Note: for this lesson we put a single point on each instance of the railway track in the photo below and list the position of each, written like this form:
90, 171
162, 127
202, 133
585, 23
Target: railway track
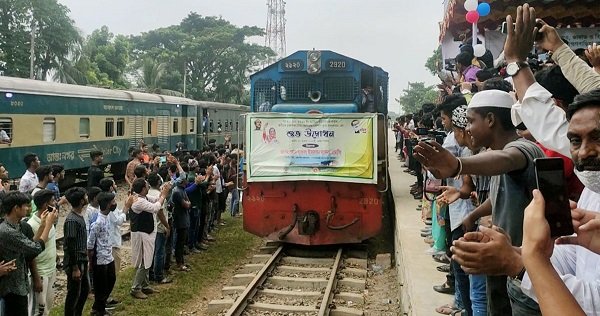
293, 282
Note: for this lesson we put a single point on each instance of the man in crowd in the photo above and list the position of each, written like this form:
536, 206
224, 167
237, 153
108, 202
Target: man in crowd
99, 249
510, 163
143, 235
181, 220
44, 174
14, 287
76, 261
136, 154
41, 296
29, 180
162, 231
490, 251
95, 174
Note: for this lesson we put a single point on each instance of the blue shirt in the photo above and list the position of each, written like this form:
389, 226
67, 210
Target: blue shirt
100, 238
52, 186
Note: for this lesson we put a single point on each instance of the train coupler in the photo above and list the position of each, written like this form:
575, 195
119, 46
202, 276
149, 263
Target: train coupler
309, 224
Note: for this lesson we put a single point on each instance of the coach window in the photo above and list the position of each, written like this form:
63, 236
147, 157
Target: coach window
6, 130
150, 122
237, 126
49, 130
120, 126
192, 125
109, 127
84, 127
175, 126
211, 129
226, 126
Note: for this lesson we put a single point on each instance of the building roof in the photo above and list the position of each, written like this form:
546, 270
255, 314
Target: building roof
559, 13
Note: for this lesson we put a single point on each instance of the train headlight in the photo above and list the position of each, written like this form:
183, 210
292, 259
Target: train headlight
8, 95
313, 62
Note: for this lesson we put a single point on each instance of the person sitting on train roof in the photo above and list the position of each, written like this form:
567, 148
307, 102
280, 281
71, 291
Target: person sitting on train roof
29, 180
136, 154
95, 174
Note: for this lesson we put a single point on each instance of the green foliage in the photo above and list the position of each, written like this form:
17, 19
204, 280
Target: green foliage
211, 51
54, 32
434, 62
106, 57
415, 95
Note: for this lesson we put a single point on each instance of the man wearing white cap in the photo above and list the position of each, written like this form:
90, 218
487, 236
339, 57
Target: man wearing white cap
509, 163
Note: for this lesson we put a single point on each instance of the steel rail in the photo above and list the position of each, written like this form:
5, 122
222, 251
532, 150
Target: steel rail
331, 284
243, 300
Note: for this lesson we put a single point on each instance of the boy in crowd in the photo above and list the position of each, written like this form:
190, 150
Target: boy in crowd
99, 249
95, 174
41, 296
76, 260
29, 180
14, 287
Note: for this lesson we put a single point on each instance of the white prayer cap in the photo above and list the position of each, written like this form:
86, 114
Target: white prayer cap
492, 98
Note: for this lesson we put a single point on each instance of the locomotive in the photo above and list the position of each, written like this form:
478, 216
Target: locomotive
63, 123
316, 168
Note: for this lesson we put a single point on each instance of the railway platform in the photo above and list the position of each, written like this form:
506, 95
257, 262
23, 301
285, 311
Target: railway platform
416, 270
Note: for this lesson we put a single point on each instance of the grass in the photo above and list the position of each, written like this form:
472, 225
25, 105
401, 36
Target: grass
232, 246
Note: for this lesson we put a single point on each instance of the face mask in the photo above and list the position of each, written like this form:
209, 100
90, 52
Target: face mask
113, 207
590, 179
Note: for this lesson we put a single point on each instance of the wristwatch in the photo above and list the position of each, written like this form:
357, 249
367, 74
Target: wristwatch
513, 68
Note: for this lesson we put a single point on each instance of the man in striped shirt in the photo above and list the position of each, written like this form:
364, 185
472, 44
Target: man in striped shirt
76, 260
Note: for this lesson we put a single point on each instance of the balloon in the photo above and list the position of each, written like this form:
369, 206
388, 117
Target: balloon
472, 17
471, 5
479, 50
483, 9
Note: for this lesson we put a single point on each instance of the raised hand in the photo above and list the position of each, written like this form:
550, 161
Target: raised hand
439, 161
587, 227
521, 34
550, 40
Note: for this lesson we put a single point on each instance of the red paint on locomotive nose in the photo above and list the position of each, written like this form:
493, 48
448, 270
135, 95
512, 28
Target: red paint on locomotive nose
268, 210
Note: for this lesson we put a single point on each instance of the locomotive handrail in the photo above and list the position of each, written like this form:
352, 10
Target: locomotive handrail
387, 174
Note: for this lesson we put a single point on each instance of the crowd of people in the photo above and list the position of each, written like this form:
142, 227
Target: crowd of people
473, 156
174, 203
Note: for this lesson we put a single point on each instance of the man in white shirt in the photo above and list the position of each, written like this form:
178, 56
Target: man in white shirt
29, 180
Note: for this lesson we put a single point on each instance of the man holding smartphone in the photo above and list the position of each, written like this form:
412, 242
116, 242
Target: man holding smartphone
41, 295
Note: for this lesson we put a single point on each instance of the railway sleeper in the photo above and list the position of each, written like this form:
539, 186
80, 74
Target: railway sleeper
251, 268
356, 284
217, 306
281, 308
350, 297
345, 311
304, 283
242, 279
290, 294
307, 261
233, 290
260, 258
302, 269
360, 273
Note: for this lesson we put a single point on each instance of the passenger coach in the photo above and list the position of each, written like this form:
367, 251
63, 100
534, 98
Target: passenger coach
62, 123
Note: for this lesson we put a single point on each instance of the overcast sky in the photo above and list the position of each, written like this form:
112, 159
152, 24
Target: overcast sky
397, 35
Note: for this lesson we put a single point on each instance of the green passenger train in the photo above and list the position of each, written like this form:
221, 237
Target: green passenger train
63, 123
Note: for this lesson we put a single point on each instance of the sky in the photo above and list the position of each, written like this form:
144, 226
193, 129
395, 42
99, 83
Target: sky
396, 35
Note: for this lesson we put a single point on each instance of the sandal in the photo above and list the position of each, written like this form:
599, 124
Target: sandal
447, 309
184, 269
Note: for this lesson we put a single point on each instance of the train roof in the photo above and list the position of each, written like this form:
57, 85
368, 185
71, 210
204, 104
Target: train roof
28, 86
302, 54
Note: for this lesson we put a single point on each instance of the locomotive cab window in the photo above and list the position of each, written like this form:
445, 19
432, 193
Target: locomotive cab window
6, 130
49, 129
175, 126
109, 127
84, 127
120, 127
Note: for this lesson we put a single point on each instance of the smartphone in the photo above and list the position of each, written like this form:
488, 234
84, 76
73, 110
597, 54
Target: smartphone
421, 131
504, 28
550, 180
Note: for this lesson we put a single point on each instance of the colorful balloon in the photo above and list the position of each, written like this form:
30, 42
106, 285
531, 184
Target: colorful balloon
483, 9
478, 50
472, 17
471, 5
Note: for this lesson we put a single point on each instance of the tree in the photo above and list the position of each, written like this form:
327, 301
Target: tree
212, 52
108, 57
415, 96
47, 21
434, 63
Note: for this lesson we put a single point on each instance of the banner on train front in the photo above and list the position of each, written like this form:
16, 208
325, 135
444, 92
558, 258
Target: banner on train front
328, 147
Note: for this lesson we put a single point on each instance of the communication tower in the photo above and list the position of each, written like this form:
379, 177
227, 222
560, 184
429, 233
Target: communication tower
275, 37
